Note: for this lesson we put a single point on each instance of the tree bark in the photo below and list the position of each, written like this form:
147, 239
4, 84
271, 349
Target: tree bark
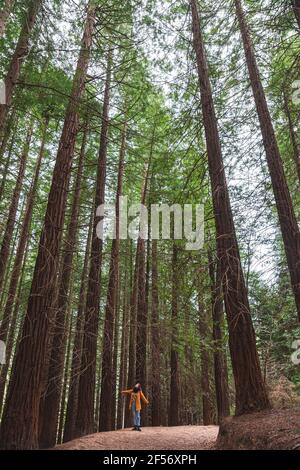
132, 335
5, 14
85, 422
250, 390
220, 362
208, 409
19, 427
11, 220
19, 56
49, 407
142, 314
115, 358
12, 334
287, 218
72, 405
124, 344
174, 363
7, 164
108, 385
18, 261
65, 378
293, 136
155, 340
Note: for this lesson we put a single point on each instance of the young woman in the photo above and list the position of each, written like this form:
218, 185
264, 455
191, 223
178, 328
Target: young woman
135, 404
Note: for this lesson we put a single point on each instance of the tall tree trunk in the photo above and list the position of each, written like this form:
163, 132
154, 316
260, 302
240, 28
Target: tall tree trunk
250, 390
10, 128
6, 166
18, 261
65, 378
85, 422
155, 340
142, 318
6, 242
115, 358
124, 343
19, 427
20, 54
107, 384
220, 362
174, 363
4, 15
208, 409
132, 360
12, 334
287, 219
293, 136
49, 408
132, 334
72, 405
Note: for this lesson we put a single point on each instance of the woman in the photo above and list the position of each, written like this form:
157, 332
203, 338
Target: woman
136, 395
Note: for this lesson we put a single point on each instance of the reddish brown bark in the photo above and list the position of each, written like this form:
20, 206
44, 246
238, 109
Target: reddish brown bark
174, 406
49, 408
12, 334
20, 54
208, 409
85, 422
287, 218
132, 360
142, 314
132, 335
8, 157
108, 385
124, 344
72, 405
11, 220
293, 135
220, 362
19, 427
18, 261
250, 390
65, 378
155, 340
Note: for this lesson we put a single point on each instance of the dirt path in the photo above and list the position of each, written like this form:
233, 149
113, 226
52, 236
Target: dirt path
161, 438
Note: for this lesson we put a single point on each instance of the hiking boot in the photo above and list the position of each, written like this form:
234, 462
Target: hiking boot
138, 429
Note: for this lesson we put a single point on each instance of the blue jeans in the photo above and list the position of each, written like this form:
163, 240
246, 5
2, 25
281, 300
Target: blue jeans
136, 416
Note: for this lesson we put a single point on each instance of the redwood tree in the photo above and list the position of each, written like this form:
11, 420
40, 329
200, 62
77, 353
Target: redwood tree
174, 361
220, 361
11, 220
20, 54
286, 214
72, 402
19, 426
49, 408
85, 420
155, 339
251, 394
108, 385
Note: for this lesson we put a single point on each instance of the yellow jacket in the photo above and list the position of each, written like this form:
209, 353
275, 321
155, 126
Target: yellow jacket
137, 397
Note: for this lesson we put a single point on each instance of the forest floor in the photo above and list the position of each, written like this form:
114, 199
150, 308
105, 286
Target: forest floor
276, 429
159, 438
